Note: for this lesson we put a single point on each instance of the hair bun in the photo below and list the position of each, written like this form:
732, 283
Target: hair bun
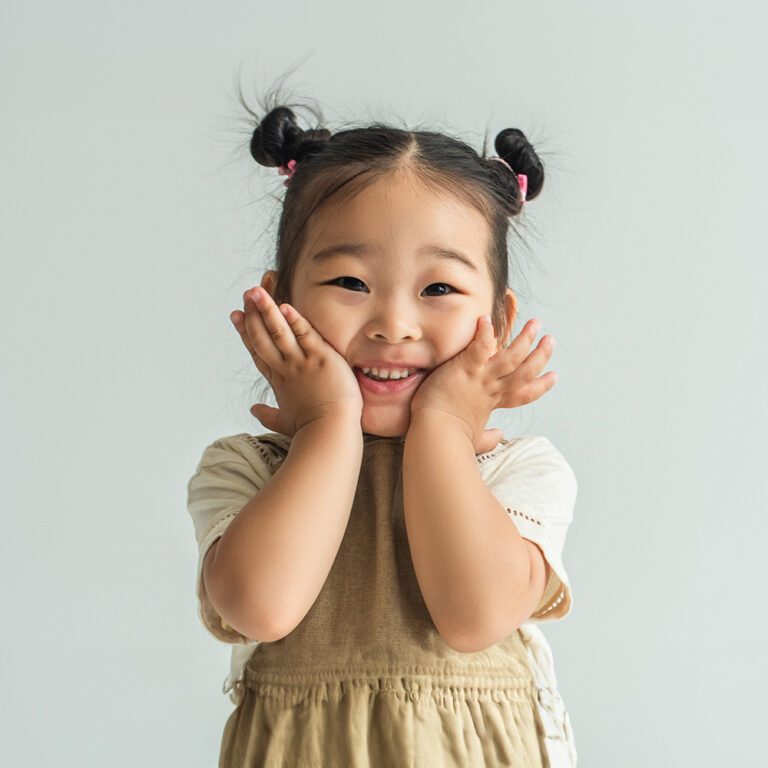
512, 146
278, 139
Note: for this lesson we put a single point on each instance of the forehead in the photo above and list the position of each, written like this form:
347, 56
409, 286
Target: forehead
399, 215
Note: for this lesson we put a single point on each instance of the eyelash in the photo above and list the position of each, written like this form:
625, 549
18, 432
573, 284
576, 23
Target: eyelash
347, 277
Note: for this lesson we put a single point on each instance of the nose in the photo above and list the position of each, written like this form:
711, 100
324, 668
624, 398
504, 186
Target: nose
393, 321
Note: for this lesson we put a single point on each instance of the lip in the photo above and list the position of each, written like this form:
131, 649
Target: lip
389, 387
389, 365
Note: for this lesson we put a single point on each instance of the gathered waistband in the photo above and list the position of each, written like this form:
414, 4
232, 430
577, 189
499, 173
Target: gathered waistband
416, 683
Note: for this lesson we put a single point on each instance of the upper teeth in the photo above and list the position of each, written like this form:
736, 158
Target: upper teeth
391, 373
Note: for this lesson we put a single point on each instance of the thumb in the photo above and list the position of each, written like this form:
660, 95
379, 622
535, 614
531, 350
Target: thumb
489, 440
268, 416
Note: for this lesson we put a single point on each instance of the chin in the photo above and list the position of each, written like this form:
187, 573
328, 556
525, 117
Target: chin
383, 427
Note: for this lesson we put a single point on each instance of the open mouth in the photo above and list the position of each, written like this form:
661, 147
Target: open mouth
371, 380
383, 374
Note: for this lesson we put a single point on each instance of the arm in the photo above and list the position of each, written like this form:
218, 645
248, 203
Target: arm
480, 579
269, 566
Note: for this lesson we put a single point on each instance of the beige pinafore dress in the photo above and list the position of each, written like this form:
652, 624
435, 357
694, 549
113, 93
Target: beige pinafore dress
365, 680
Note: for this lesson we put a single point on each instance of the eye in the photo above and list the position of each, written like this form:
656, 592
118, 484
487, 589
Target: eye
450, 288
338, 280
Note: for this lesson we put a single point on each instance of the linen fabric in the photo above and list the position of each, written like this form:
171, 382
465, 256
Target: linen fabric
365, 679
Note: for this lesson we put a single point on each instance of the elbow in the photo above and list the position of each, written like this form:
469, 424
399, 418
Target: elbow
473, 634
235, 607
462, 644
245, 616
493, 629
471, 642
252, 623
481, 640
471, 639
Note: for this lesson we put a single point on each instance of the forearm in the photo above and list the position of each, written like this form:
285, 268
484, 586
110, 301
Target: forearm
470, 561
273, 559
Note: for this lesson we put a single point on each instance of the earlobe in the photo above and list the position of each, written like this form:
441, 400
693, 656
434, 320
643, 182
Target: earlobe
510, 312
268, 282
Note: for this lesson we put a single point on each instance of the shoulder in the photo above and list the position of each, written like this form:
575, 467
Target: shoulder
268, 448
530, 467
230, 471
259, 455
525, 452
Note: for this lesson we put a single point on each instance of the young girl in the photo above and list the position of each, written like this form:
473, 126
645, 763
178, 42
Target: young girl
377, 558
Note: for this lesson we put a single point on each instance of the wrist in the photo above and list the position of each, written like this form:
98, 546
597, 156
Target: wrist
337, 421
437, 421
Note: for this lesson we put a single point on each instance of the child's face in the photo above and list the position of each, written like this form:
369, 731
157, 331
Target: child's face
394, 304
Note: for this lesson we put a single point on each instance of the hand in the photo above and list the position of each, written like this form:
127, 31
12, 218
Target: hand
310, 379
475, 381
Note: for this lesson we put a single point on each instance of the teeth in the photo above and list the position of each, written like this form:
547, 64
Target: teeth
385, 373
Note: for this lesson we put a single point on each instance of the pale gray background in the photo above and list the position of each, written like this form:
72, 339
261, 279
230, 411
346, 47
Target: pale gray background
131, 223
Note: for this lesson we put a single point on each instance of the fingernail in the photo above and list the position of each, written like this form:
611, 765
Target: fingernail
487, 318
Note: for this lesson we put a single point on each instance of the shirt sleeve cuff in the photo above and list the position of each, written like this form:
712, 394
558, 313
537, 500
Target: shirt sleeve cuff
211, 619
556, 602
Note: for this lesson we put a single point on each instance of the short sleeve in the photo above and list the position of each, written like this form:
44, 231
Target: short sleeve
231, 471
536, 485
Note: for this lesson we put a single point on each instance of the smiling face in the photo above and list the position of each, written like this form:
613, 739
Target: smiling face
389, 295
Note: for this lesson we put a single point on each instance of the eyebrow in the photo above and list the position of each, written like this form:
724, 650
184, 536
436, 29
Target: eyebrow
362, 249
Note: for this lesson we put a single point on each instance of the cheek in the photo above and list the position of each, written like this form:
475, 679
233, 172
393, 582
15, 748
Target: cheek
330, 324
457, 333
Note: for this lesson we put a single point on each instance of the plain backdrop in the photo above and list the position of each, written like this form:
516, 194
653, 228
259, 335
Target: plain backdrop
133, 219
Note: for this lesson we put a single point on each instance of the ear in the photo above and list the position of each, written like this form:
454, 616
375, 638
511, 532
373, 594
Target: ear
268, 282
510, 312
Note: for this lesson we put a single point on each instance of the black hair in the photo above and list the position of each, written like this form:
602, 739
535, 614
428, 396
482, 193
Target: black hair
334, 166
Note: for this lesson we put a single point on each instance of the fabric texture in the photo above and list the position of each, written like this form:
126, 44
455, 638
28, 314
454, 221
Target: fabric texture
365, 669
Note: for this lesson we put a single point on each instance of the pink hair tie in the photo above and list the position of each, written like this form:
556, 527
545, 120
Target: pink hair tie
287, 170
522, 179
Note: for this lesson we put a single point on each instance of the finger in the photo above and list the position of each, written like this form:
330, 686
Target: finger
259, 342
482, 346
508, 360
268, 416
534, 364
489, 440
278, 330
238, 320
533, 391
304, 332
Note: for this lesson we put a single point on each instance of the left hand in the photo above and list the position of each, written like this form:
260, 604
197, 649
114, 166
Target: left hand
477, 380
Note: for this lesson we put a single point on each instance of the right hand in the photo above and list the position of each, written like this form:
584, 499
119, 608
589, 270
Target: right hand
310, 379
